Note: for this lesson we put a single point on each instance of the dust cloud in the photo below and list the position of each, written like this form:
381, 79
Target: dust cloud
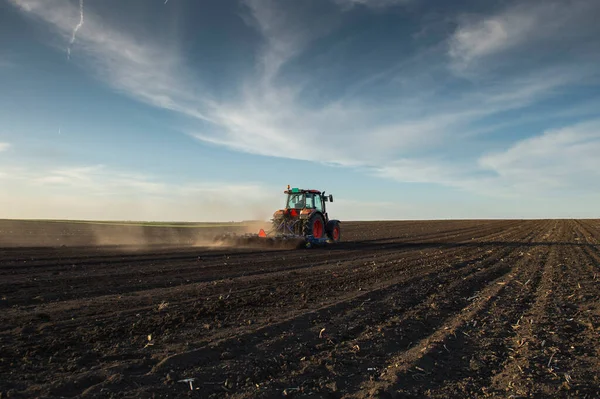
134, 221
119, 235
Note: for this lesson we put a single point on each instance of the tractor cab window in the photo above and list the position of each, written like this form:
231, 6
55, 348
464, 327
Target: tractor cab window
309, 201
304, 200
318, 203
296, 201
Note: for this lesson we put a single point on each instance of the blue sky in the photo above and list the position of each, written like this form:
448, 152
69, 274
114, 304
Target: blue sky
206, 110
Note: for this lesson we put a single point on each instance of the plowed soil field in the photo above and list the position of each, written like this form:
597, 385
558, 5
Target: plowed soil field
485, 308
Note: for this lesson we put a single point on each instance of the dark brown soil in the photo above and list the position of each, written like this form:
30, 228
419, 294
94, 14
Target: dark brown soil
436, 309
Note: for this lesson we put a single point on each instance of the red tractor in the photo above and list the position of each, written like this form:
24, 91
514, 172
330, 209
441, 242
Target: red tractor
305, 215
303, 222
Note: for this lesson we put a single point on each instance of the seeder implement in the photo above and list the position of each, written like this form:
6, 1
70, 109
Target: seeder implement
262, 239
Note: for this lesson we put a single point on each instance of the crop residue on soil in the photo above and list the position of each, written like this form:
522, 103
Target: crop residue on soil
486, 308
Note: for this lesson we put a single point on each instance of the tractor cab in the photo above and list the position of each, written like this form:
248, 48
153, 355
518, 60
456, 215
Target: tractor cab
300, 199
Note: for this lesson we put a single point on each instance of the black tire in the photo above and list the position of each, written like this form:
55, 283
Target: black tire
332, 226
308, 225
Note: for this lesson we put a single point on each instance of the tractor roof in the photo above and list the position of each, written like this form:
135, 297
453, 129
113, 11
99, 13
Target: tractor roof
300, 190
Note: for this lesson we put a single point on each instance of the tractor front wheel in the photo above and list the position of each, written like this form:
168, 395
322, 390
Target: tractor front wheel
333, 231
315, 226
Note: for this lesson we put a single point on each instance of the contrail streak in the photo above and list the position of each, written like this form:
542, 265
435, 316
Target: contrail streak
79, 25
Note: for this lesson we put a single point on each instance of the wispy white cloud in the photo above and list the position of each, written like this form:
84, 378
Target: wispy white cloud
267, 117
270, 118
563, 160
348, 4
566, 158
287, 31
519, 26
69, 176
93, 179
4, 146
77, 27
488, 36
288, 27
138, 67
269, 114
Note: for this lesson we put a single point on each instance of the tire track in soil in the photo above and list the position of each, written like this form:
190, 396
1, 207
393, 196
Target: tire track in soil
348, 280
406, 230
411, 282
424, 357
461, 357
531, 274
20, 262
126, 280
590, 247
557, 353
574, 320
224, 287
24, 264
465, 250
591, 236
240, 293
422, 311
442, 235
436, 339
110, 316
389, 264
117, 382
583, 328
12, 257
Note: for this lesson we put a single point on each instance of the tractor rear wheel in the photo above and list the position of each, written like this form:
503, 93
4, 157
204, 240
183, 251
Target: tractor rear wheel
315, 226
333, 231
